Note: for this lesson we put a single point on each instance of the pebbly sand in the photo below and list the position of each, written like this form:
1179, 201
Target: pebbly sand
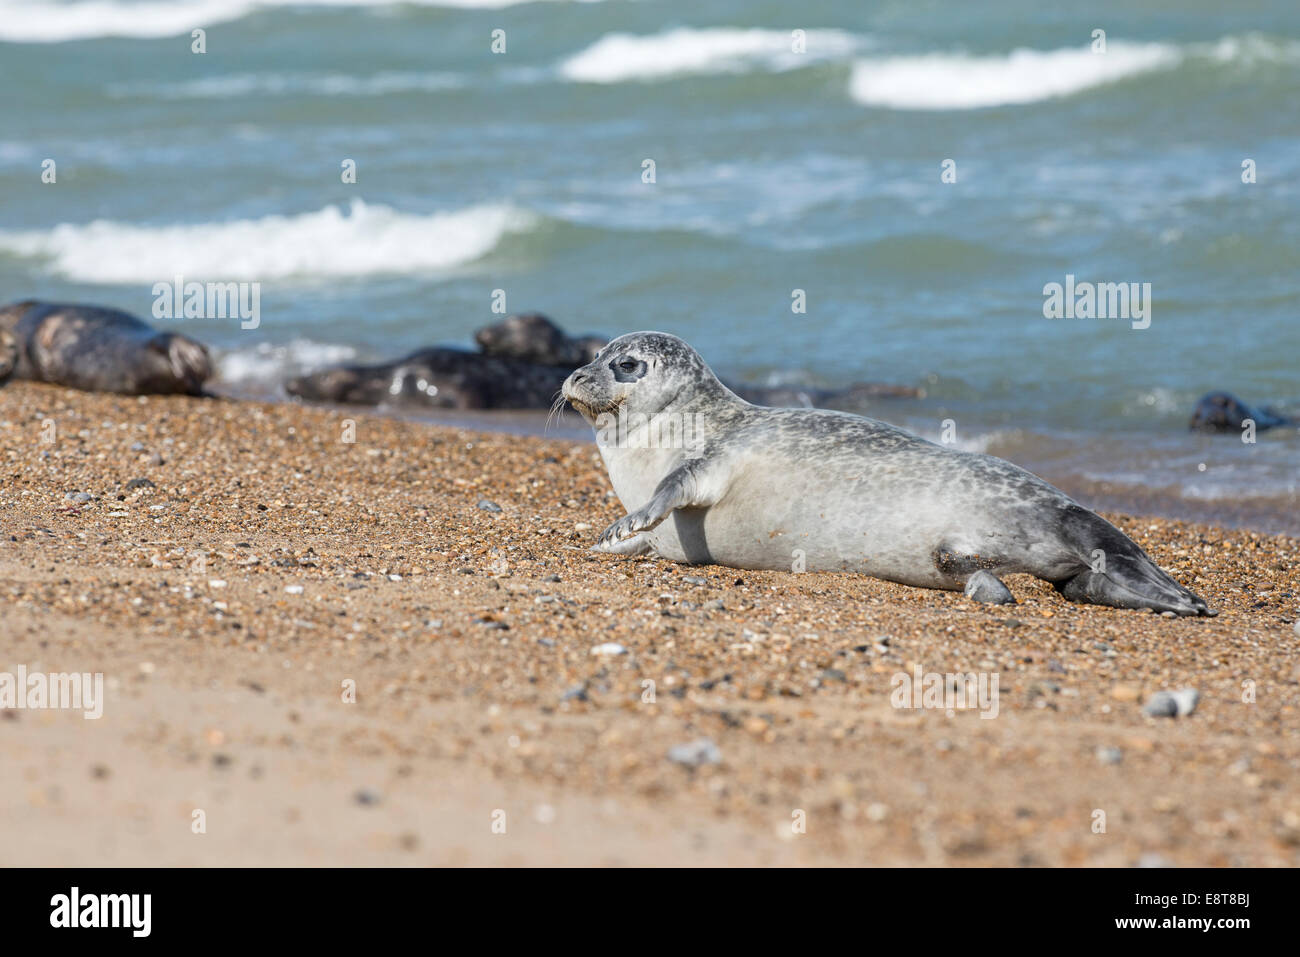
479, 700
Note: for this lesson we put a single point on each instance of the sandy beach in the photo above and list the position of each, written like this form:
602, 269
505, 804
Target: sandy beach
268, 565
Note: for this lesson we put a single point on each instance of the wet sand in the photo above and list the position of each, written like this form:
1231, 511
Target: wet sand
230, 603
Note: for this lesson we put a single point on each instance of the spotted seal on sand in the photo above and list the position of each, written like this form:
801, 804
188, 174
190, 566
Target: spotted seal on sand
763, 488
438, 379
99, 350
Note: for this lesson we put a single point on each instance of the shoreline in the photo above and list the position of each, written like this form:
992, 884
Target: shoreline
469, 635
1274, 516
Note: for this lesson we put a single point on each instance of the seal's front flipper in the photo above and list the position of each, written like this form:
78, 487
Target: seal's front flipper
631, 547
985, 587
626, 529
681, 488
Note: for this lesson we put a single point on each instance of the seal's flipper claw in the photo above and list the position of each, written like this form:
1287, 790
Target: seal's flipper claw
985, 587
630, 547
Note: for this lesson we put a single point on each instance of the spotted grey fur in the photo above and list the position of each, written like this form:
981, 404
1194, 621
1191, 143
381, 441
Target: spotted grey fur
766, 488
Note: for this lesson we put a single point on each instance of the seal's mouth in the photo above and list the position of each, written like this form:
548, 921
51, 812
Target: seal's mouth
585, 407
592, 412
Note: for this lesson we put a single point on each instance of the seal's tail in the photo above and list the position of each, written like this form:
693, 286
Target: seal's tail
1119, 572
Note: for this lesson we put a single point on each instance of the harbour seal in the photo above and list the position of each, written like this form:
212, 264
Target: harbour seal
763, 488
436, 379
1224, 412
100, 350
531, 337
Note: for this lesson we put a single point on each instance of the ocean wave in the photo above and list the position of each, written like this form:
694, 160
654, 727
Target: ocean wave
287, 84
938, 81
622, 57
1251, 49
43, 21
365, 240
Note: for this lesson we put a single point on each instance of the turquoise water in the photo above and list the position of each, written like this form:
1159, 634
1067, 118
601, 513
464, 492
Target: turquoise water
775, 171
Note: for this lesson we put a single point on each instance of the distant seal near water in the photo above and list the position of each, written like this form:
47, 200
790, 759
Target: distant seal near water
522, 362
1224, 412
99, 350
438, 379
770, 488
531, 337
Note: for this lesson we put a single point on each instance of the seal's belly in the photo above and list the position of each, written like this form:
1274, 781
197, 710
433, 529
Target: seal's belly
843, 527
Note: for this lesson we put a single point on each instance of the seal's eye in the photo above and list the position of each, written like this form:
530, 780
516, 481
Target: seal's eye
628, 365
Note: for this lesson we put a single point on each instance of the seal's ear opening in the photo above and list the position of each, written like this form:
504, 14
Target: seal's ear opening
187, 359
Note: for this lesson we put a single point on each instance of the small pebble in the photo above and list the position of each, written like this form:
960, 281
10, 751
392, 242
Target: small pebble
136, 483
488, 505
609, 648
293, 589
1172, 704
366, 797
1110, 755
698, 752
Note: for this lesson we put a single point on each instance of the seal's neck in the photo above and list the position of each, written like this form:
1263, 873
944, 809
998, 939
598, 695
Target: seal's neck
708, 395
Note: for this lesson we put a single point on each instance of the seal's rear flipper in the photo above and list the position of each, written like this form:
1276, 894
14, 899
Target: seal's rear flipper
8, 354
190, 362
187, 363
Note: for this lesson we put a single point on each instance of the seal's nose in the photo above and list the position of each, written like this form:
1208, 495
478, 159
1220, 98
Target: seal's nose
577, 377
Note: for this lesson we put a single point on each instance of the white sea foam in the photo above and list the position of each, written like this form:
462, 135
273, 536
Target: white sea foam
46, 21
620, 57
265, 362
365, 240
938, 81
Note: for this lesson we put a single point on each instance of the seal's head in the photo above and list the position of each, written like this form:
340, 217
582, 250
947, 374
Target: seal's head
531, 337
641, 372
